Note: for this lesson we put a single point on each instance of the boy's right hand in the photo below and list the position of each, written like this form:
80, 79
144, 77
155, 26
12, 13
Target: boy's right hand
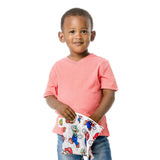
65, 111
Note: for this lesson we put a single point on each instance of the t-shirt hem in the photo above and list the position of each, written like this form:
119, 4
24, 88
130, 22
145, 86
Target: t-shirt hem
104, 87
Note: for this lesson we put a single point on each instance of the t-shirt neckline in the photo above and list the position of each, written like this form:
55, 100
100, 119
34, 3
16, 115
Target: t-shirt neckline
73, 61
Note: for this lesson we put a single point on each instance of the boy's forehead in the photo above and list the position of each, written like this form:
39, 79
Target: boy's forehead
74, 21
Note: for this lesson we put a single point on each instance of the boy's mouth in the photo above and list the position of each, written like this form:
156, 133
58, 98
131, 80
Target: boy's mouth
78, 43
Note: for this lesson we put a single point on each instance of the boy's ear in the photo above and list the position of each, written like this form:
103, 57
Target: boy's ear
61, 37
93, 35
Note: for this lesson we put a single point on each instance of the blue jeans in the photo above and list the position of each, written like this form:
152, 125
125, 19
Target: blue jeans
101, 150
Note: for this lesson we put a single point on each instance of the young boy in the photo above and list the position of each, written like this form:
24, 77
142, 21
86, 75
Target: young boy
81, 82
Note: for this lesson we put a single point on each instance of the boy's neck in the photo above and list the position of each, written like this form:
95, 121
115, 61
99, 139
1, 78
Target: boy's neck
78, 56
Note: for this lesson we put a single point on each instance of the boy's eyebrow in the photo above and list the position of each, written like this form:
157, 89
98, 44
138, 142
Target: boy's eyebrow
84, 28
81, 28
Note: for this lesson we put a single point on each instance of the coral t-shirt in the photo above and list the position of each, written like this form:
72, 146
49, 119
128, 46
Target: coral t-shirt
78, 84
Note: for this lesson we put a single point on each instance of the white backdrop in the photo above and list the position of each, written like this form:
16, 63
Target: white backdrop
128, 35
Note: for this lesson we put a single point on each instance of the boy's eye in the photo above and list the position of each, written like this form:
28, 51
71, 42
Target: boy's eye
84, 31
72, 31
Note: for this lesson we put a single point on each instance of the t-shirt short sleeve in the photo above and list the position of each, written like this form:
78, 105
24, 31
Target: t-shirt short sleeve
52, 86
106, 76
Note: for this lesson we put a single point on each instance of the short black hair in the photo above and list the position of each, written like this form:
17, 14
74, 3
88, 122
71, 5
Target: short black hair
76, 12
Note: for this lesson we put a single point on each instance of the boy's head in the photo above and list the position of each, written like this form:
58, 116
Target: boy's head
77, 25
76, 12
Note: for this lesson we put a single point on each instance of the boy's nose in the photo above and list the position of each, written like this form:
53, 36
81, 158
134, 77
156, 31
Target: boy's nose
78, 35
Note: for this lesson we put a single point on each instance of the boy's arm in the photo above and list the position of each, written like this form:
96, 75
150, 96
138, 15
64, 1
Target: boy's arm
106, 103
63, 109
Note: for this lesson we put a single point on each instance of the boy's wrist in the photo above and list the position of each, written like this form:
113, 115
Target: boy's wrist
53, 102
96, 117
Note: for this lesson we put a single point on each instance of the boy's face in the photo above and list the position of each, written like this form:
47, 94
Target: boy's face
77, 33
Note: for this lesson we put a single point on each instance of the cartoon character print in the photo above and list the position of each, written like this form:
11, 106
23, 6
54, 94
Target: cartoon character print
63, 138
80, 135
89, 158
90, 154
86, 135
71, 122
82, 151
79, 119
96, 135
74, 138
68, 151
89, 124
64, 129
60, 122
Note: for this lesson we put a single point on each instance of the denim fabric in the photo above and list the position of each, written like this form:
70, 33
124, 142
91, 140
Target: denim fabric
101, 150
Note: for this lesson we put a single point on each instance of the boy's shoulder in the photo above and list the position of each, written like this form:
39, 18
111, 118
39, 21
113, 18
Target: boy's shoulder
60, 61
99, 58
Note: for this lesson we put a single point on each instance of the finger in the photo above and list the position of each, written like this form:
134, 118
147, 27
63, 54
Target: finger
69, 115
72, 113
66, 115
